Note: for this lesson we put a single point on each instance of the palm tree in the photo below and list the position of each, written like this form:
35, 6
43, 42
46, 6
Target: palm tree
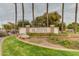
23, 14
62, 16
75, 29
15, 4
15, 13
33, 12
47, 14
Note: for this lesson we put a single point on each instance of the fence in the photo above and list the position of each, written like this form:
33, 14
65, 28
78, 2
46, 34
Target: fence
29, 29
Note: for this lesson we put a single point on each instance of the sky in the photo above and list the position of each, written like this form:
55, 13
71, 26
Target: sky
7, 11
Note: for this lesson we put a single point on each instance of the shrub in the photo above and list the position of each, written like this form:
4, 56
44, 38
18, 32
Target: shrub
64, 42
3, 34
40, 34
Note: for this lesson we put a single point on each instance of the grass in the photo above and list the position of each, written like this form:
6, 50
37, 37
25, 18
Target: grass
12, 47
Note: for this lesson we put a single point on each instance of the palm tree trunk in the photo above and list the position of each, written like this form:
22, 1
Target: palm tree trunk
15, 13
15, 17
47, 15
33, 12
75, 29
62, 16
23, 14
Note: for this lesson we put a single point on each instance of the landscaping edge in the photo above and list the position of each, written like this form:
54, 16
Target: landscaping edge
2, 45
73, 50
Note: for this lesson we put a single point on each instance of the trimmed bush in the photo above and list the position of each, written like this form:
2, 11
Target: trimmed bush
3, 34
40, 34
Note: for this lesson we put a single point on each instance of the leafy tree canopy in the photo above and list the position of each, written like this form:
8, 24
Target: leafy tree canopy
9, 26
53, 19
25, 22
72, 25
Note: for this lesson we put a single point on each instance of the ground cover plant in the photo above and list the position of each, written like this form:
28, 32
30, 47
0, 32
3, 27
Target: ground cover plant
64, 42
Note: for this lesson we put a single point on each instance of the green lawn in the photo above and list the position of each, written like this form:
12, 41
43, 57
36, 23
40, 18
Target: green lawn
13, 47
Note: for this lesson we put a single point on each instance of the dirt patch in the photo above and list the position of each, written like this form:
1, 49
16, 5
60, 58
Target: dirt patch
44, 41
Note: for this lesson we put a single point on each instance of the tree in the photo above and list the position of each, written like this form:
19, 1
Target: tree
62, 24
15, 16
22, 15
9, 26
6, 27
25, 23
72, 26
33, 12
47, 15
53, 19
75, 29
15, 13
